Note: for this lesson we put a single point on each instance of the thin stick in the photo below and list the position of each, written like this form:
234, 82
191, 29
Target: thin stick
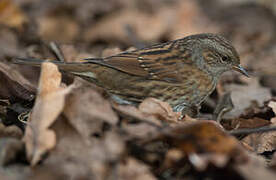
247, 131
56, 51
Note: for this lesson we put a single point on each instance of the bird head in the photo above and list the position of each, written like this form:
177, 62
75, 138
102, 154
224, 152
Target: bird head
218, 55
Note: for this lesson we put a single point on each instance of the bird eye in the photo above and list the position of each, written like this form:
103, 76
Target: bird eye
224, 58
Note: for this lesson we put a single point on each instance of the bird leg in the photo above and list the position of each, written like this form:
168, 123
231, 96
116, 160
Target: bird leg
225, 105
185, 109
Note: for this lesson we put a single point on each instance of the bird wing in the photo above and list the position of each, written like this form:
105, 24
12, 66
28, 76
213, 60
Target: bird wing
161, 62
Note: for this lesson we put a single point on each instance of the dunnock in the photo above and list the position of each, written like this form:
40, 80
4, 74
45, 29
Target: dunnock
182, 72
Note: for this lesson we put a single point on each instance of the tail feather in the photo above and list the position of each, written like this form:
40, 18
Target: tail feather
33, 61
83, 66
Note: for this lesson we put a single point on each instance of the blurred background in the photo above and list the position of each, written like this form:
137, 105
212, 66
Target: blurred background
88, 28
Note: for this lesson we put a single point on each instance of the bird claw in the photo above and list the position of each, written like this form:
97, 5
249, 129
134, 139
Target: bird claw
185, 109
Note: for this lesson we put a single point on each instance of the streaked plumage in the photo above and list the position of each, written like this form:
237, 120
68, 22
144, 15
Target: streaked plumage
181, 72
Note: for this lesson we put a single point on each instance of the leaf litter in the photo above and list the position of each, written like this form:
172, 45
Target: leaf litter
75, 131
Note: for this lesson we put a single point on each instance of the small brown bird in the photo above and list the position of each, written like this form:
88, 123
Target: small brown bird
181, 72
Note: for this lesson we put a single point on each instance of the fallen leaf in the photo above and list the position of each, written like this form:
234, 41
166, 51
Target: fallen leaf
200, 137
161, 110
87, 110
272, 104
244, 95
261, 142
10, 149
78, 156
254, 169
50, 27
239, 123
14, 84
157, 25
133, 169
10, 131
11, 15
48, 105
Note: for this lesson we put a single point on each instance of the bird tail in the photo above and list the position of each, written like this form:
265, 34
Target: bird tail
81, 66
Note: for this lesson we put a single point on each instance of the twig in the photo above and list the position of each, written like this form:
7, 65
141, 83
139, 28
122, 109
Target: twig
247, 131
56, 51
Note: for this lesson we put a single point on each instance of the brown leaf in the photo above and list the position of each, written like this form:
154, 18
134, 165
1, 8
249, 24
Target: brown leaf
201, 137
254, 169
48, 105
133, 169
80, 157
157, 24
244, 95
255, 122
188, 18
10, 148
51, 26
261, 142
15, 84
10, 131
147, 124
87, 110
161, 110
272, 104
11, 15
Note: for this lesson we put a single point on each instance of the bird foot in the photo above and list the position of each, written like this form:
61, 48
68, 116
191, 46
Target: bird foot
121, 101
185, 109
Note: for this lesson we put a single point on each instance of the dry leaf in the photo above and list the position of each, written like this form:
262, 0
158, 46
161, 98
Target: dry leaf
50, 28
157, 24
87, 110
10, 131
272, 104
11, 15
244, 95
200, 137
10, 148
135, 170
240, 123
254, 169
161, 110
48, 105
76, 157
14, 84
262, 142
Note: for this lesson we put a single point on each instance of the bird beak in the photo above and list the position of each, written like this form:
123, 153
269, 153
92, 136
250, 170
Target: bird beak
240, 69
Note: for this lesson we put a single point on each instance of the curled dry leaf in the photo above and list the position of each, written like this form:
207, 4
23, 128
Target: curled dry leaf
159, 109
48, 105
